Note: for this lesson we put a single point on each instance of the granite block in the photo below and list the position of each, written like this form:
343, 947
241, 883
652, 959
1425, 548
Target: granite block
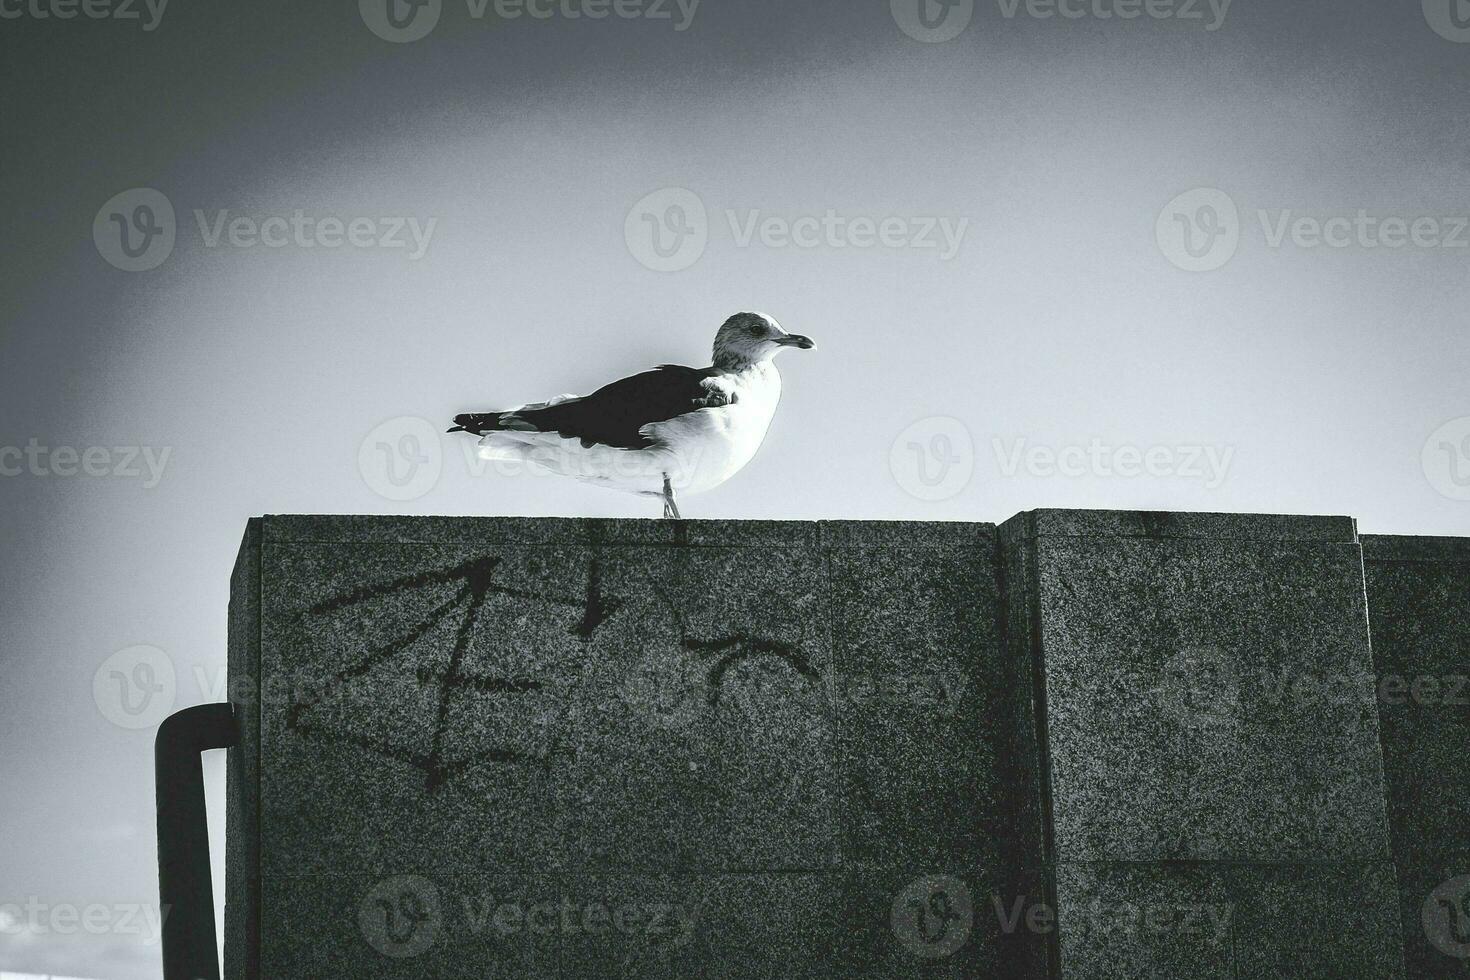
1167, 524
242, 768
1408, 547
1204, 742
916, 639
702, 734
412, 698
1434, 912
1157, 921
412, 927
801, 736
906, 924
1317, 922
541, 531
1419, 601
907, 535
1421, 649
766, 926
1184, 719
1145, 922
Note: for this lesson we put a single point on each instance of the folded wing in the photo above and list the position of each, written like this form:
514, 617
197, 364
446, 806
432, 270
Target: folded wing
614, 415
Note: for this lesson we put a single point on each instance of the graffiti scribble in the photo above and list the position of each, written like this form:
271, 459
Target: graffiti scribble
735, 647
477, 585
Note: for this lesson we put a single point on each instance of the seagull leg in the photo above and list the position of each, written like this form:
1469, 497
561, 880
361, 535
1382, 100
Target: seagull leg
671, 509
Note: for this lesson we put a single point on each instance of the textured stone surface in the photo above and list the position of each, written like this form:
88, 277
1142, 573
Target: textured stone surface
916, 638
1145, 922
414, 697
1434, 909
242, 825
800, 737
892, 928
1165, 524
702, 730
1419, 598
1316, 922
414, 927
780, 725
610, 926
1194, 750
766, 926
1155, 921
1023, 776
499, 531
1175, 672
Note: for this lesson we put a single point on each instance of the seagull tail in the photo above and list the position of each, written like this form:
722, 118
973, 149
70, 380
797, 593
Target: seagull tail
479, 423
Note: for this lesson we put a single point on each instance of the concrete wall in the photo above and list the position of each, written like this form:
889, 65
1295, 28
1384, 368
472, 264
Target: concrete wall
747, 740
1087, 745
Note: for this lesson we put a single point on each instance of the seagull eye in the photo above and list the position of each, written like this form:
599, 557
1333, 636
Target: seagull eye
757, 331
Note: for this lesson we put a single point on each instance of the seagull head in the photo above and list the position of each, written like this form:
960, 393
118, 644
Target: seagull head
751, 338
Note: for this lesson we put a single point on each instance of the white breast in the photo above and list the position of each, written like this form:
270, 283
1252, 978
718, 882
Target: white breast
711, 445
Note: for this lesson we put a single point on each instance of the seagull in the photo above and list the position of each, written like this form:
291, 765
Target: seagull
671, 430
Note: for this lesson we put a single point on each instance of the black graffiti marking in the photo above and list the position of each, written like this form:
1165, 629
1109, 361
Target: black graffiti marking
478, 574
596, 608
737, 647
741, 647
478, 585
484, 685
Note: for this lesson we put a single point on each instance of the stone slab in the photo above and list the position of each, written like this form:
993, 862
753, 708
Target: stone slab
1317, 922
702, 730
1153, 921
242, 812
1181, 718
1193, 753
721, 714
1168, 524
916, 641
413, 927
1419, 601
609, 926
481, 531
1434, 909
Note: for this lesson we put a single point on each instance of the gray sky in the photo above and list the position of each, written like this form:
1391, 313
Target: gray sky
1050, 346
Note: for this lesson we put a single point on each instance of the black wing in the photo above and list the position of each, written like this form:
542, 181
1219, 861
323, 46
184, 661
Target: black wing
613, 416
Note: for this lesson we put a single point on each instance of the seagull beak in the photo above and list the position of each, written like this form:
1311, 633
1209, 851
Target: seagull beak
798, 341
